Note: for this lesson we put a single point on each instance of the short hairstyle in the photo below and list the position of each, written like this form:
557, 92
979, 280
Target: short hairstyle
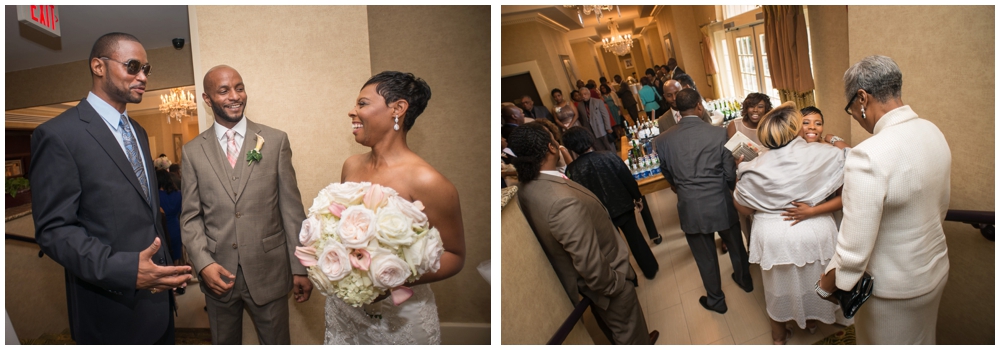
395, 86
556, 133
174, 168
672, 62
752, 100
603, 80
165, 182
649, 71
528, 96
877, 75
685, 79
604, 89
108, 44
578, 139
617, 76
507, 111
591, 84
554, 91
779, 126
687, 99
810, 110
644, 80
530, 143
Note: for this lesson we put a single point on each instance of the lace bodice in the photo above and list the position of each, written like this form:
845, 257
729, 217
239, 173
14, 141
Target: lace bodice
413, 322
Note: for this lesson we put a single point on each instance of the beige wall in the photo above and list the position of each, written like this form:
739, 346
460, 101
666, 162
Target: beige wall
613, 65
35, 288
532, 41
161, 133
655, 40
71, 81
583, 51
682, 25
948, 64
830, 49
449, 134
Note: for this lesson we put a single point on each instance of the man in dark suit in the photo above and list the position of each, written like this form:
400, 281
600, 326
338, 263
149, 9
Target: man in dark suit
694, 159
535, 112
578, 237
96, 207
511, 117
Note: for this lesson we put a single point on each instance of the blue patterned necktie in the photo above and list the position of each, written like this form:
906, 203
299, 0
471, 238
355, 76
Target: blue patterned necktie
132, 152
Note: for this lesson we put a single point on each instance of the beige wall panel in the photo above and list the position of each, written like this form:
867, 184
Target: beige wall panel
36, 87
704, 14
956, 93
686, 39
655, 41
613, 65
583, 50
534, 302
639, 57
453, 56
156, 126
35, 287
531, 41
301, 77
828, 35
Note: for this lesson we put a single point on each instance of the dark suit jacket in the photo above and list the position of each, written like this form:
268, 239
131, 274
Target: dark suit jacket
694, 159
626, 96
578, 237
91, 218
539, 112
607, 176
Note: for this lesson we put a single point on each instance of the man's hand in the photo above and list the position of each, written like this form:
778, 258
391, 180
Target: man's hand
301, 288
212, 275
157, 278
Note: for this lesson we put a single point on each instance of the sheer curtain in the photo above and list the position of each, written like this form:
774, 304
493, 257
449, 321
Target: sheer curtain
787, 48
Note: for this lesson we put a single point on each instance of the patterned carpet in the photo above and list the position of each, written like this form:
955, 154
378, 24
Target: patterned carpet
844, 337
183, 336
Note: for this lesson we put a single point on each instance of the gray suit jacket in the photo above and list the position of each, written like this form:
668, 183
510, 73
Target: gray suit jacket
666, 123
92, 218
248, 216
694, 159
578, 237
599, 116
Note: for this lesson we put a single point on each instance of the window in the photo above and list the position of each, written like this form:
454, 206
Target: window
771, 91
747, 64
730, 11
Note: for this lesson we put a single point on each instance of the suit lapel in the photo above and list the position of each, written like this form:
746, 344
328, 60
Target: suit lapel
214, 157
100, 132
249, 141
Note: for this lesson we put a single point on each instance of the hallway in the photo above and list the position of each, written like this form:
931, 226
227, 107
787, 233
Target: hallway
670, 301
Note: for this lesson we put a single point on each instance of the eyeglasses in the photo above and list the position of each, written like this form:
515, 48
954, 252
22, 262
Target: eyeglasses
132, 66
849, 103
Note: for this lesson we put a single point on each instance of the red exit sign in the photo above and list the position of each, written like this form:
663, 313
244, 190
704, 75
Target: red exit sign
42, 17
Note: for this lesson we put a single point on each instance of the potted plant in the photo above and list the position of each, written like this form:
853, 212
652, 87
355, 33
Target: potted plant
18, 191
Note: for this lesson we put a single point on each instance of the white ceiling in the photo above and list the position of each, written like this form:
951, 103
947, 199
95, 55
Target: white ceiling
155, 26
569, 17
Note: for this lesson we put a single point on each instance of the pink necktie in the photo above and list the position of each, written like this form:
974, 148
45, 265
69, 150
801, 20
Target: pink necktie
231, 149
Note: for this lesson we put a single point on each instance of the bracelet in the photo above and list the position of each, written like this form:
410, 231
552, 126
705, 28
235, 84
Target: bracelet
835, 138
822, 293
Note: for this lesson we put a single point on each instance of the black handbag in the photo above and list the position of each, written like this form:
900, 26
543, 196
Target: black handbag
851, 300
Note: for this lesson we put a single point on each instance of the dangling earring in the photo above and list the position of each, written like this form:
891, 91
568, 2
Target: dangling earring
396, 120
863, 116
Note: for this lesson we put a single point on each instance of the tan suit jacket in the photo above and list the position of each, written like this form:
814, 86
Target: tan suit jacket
248, 216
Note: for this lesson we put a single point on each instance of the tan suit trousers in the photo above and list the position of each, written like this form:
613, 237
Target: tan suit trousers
226, 318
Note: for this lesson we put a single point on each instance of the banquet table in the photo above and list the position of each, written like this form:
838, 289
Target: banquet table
647, 185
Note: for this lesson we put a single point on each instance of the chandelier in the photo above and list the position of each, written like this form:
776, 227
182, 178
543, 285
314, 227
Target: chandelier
178, 104
619, 44
598, 9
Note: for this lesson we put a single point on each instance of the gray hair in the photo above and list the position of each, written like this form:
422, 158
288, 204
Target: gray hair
877, 75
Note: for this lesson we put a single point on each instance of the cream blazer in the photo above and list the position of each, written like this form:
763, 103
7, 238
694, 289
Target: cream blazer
896, 192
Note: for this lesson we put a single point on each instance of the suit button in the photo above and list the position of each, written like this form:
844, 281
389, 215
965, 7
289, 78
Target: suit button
234, 178
234, 245
238, 215
161, 261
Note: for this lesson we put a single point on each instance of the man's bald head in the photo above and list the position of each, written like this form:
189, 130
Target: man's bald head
670, 89
226, 94
213, 74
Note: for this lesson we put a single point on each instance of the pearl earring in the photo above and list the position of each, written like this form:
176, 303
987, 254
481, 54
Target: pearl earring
863, 116
396, 120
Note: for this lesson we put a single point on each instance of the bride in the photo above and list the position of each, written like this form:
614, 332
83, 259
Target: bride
385, 111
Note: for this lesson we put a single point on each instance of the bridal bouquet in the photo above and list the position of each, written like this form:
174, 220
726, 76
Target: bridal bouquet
361, 239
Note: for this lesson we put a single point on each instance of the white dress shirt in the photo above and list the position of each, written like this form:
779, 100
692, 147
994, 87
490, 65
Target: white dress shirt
112, 118
241, 131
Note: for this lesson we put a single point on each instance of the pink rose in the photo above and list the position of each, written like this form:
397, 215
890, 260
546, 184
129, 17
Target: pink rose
357, 227
374, 198
310, 231
388, 270
336, 209
360, 259
334, 261
306, 255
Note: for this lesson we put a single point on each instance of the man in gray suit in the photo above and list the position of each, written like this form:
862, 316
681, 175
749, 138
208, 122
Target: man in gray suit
600, 121
694, 159
535, 112
670, 90
578, 236
241, 217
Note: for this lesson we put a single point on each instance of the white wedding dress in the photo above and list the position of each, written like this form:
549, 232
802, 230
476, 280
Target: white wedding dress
415, 321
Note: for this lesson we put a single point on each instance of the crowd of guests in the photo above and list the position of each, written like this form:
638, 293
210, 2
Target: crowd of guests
581, 199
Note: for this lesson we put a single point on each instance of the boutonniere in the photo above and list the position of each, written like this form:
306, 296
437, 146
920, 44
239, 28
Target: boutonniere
254, 154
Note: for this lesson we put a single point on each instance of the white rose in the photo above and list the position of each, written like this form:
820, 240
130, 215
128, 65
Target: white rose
348, 193
413, 210
388, 270
320, 281
334, 262
321, 203
310, 231
424, 255
357, 227
394, 228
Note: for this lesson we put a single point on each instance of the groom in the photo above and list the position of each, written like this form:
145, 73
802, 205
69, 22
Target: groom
241, 217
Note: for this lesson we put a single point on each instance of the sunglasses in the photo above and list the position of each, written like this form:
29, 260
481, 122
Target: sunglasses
132, 66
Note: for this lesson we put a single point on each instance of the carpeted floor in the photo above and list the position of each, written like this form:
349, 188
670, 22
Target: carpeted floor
844, 337
182, 336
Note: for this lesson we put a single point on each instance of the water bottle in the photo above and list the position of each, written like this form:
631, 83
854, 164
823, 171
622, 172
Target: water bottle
635, 172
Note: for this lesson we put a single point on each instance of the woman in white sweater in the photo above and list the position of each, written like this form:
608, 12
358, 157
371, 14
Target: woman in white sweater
896, 192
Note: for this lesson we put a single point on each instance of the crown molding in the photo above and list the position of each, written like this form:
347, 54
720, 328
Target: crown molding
534, 18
